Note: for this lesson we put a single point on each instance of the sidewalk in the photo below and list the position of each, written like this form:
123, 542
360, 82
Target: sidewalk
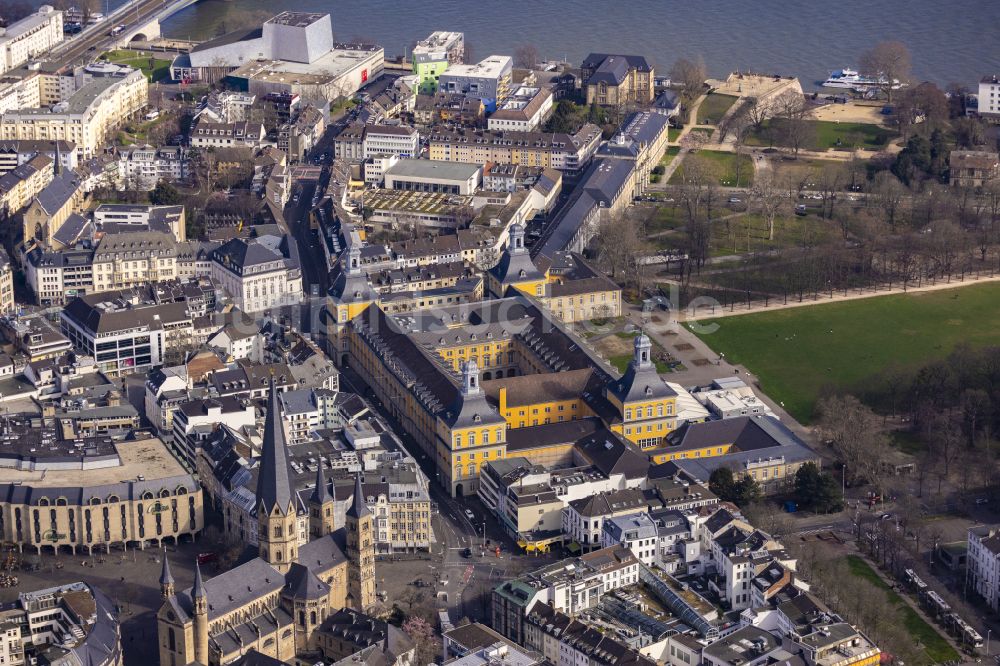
838, 296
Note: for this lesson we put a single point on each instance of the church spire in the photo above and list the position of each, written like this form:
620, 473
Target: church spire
166, 579
359, 508
198, 590
321, 493
274, 487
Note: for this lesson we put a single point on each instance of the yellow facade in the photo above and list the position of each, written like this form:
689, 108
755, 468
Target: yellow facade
541, 413
645, 423
707, 452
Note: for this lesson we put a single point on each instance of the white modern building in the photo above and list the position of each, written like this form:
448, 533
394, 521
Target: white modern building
391, 140
30, 37
259, 273
488, 80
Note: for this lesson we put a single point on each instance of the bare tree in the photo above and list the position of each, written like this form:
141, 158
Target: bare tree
890, 63
526, 56
791, 123
888, 196
690, 75
768, 197
854, 433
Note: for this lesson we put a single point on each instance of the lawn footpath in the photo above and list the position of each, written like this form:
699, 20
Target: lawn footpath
155, 69
795, 353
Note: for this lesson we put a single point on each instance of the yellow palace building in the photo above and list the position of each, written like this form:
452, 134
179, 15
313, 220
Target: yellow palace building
460, 379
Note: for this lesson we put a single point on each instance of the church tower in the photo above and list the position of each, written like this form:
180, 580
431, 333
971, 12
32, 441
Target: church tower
276, 515
350, 295
199, 600
360, 552
320, 506
166, 579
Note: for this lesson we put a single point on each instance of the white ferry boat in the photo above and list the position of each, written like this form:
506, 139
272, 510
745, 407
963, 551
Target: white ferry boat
852, 80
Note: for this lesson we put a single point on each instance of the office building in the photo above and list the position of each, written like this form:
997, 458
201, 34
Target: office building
259, 273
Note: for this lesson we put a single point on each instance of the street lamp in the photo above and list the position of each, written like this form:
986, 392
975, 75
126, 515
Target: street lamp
989, 632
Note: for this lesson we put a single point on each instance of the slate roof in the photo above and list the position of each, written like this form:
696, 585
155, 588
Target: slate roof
57, 193
302, 583
613, 455
359, 508
236, 588
274, 485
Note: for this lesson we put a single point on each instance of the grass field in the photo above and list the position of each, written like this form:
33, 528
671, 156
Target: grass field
156, 68
721, 165
673, 133
937, 648
713, 107
797, 352
830, 135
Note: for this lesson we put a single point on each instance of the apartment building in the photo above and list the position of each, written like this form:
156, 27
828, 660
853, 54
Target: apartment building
16, 153
7, 305
983, 564
207, 134
30, 37
524, 111
142, 167
88, 118
195, 421
488, 80
23, 183
567, 153
432, 56
122, 218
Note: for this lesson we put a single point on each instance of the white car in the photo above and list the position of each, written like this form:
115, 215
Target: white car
470, 515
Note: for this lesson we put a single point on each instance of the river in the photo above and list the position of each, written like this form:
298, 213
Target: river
950, 40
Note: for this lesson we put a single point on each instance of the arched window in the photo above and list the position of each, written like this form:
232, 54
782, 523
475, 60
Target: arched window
171, 640
302, 618
312, 617
43, 501
95, 501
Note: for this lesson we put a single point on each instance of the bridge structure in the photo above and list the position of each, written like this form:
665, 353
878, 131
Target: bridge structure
147, 29
141, 20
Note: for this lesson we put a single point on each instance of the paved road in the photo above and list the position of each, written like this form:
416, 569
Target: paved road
87, 46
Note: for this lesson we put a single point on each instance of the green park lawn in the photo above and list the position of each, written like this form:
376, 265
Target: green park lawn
831, 135
721, 165
673, 133
937, 648
796, 352
713, 107
155, 69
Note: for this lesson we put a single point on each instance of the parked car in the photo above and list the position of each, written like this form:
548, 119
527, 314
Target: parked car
470, 515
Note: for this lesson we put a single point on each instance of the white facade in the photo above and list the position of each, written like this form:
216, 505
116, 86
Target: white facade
391, 140
143, 167
375, 168
260, 278
983, 564
989, 95
30, 37
87, 118
190, 427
